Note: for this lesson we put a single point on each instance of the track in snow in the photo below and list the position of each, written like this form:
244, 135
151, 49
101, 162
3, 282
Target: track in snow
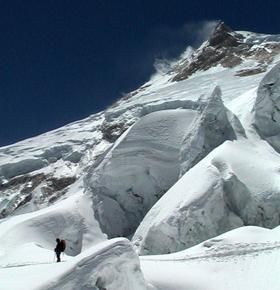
240, 266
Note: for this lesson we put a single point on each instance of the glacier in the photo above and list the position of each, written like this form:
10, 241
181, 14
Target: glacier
186, 167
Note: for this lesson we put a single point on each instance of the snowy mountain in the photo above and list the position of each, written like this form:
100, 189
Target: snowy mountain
186, 166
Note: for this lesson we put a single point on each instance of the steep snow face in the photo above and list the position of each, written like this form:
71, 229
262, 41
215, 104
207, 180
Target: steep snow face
267, 108
140, 168
211, 128
110, 265
245, 258
236, 184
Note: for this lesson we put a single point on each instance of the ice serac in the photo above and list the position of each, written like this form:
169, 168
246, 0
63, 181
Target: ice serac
236, 184
111, 265
213, 126
140, 168
190, 212
267, 108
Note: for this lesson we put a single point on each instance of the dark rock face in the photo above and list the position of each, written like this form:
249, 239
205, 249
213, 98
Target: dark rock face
34, 180
56, 187
24, 184
227, 48
250, 72
52, 188
223, 36
112, 131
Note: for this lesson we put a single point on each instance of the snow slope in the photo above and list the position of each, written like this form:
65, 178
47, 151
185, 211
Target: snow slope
90, 261
72, 219
245, 258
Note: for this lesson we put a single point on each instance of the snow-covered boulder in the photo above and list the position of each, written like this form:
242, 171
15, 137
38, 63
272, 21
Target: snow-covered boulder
267, 108
236, 184
141, 167
211, 128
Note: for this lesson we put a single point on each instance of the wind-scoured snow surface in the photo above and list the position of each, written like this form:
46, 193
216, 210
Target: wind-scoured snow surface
187, 166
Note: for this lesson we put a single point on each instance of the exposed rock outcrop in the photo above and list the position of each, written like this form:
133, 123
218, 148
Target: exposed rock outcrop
227, 48
48, 189
224, 36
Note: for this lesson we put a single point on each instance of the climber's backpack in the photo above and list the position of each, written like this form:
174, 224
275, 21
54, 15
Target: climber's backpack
62, 245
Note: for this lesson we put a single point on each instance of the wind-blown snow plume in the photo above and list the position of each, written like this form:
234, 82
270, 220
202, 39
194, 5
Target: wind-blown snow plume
191, 35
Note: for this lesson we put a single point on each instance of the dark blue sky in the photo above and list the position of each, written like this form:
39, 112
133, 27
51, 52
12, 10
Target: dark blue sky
62, 60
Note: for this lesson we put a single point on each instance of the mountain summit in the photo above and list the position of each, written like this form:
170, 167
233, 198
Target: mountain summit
224, 36
228, 48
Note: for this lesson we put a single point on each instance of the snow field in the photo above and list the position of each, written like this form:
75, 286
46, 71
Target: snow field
245, 258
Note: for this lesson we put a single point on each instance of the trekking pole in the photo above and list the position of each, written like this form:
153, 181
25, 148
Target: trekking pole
53, 257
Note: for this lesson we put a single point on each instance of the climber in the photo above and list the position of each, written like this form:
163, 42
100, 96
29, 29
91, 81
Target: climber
60, 247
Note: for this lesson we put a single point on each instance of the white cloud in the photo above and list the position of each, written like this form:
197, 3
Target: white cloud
199, 32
